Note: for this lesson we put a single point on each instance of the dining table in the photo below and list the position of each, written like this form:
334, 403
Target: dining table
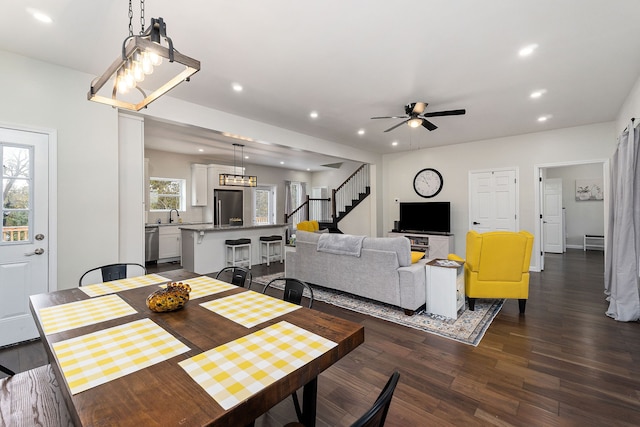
224, 359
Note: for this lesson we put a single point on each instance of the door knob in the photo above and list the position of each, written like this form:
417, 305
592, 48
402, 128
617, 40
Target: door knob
476, 223
38, 251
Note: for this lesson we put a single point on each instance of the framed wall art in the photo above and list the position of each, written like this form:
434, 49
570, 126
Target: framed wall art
589, 189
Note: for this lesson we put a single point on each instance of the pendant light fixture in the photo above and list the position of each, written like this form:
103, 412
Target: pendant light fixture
148, 59
238, 180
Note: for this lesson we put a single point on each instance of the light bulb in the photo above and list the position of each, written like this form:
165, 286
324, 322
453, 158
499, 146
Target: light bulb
129, 79
147, 66
121, 84
414, 123
155, 58
136, 67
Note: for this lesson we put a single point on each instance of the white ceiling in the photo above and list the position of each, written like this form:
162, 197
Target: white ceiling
352, 60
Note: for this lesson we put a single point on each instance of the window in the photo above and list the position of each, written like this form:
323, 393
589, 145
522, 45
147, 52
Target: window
298, 195
16, 193
166, 194
264, 201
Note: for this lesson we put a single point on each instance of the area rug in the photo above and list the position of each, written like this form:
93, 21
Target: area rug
468, 328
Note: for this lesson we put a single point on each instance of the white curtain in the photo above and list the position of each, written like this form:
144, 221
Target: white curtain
623, 237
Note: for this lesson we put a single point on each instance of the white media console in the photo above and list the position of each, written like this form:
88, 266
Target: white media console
433, 245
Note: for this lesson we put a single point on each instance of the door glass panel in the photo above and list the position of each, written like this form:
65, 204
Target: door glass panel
16, 193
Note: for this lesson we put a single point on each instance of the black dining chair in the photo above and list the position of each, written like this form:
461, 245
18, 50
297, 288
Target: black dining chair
293, 291
377, 414
107, 273
6, 370
240, 276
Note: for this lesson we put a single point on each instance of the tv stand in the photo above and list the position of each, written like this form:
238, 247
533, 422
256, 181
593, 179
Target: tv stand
434, 245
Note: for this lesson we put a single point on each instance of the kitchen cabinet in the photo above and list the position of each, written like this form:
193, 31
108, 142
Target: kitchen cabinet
198, 185
170, 245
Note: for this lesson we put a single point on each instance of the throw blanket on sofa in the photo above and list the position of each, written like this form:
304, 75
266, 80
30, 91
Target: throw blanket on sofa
340, 244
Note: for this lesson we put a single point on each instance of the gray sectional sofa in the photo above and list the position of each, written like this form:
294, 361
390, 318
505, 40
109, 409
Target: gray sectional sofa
378, 268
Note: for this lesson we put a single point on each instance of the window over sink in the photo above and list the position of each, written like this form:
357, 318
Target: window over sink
166, 194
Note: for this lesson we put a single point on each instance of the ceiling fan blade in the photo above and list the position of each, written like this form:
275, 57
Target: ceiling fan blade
445, 113
428, 125
391, 117
399, 124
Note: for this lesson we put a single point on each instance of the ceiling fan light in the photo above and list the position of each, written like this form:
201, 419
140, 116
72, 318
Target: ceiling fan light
414, 123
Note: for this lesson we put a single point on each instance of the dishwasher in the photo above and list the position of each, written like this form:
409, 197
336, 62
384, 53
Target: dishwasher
151, 243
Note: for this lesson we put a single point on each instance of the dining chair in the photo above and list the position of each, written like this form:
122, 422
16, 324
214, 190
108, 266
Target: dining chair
377, 414
107, 273
7, 370
292, 292
240, 276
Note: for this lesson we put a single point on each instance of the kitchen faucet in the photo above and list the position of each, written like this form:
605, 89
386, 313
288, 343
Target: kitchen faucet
177, 213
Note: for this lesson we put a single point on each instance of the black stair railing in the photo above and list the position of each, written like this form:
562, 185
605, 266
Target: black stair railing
343, 200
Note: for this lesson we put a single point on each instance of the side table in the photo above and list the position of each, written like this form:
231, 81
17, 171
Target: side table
445, 296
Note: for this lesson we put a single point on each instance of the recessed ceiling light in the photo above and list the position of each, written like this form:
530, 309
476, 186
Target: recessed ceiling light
313, 114
538, 93
361, 132
40, 16
282, 163
527, 50
201, 150
544, 118
246, 157
394, 143
237, 87
308, 169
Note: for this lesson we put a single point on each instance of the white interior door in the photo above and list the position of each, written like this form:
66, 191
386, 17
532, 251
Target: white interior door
552, 216
24, 244
493, 200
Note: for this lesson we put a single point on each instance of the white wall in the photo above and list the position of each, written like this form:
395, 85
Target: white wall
592, 142
630, 109
41, 95
582, 217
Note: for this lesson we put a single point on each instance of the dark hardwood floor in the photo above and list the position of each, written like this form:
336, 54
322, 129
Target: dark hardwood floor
563, 363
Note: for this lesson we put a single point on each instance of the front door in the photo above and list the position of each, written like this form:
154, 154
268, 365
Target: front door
24, 250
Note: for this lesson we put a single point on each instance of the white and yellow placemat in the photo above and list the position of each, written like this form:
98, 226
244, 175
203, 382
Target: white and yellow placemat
250, 308
73, 315
122, 285
204, 285
234, 371
97, 358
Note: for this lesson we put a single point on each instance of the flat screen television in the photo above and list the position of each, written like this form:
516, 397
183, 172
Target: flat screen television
425, 217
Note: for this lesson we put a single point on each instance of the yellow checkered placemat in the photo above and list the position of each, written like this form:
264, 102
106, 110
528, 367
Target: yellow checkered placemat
204, 285
73, 315
234, 371
122, 285
97, 358
250, 308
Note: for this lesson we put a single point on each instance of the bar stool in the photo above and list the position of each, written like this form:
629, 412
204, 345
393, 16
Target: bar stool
234, 252
265, 248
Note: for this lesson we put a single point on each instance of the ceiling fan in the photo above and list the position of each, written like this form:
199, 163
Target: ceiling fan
416, 116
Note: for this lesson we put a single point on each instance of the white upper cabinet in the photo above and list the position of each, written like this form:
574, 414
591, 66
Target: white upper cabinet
198, 185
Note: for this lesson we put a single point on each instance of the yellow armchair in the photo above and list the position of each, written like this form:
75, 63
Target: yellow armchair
497, 266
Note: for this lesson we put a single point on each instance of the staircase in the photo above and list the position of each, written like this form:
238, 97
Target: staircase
329, 212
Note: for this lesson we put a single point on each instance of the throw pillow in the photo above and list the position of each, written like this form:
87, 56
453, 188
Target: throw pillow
416, 256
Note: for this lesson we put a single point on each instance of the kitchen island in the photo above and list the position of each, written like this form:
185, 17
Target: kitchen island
203, 247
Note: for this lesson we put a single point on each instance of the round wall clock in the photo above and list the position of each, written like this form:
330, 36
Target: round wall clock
427, 183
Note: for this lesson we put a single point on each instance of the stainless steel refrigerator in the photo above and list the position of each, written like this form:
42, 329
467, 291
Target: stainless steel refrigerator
227, 204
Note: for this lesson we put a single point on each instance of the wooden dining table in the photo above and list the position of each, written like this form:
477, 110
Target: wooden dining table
164, 392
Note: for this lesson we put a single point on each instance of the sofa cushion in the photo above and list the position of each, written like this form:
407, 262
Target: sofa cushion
400, 245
